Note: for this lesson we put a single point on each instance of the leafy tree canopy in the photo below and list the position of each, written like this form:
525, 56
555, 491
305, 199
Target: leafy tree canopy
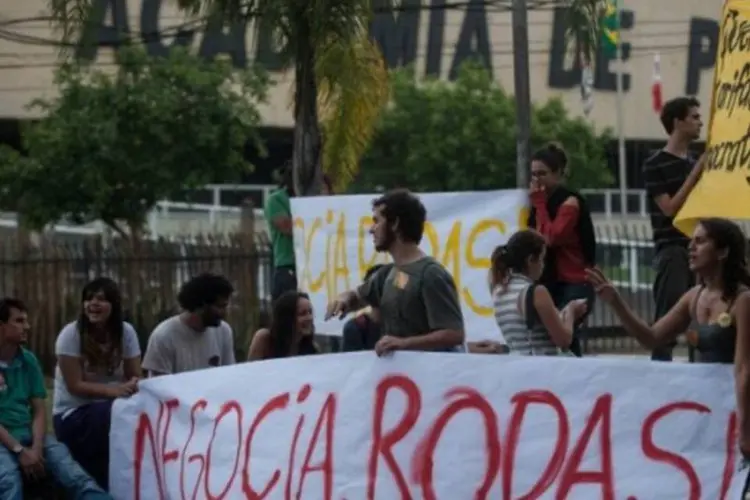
441, 136
113, 144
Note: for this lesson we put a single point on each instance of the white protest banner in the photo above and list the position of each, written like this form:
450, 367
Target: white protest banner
433, 426
333, 248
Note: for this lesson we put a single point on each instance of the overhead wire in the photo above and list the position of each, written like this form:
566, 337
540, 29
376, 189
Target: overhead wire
201, 22
173, 30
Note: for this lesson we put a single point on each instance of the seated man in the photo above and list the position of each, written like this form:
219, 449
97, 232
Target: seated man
25, 448
198, 337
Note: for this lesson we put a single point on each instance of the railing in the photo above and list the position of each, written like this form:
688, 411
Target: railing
631, 264
51, 277
607, 202
213, 197
229, 195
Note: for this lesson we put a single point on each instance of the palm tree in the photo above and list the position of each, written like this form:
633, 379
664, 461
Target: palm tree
341, 81
584, 23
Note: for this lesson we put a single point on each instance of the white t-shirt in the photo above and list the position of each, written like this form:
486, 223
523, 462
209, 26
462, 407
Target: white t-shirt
174, 347
69, 344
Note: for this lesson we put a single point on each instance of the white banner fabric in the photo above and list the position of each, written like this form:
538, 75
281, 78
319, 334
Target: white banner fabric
430, 426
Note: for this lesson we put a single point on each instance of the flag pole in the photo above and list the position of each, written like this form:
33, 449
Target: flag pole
620, 105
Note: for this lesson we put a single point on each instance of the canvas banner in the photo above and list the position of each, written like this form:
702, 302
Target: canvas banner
433, 426
724, 189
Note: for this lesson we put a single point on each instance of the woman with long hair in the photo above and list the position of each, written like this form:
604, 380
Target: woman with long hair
562, 216
98, 361
291, 331
715, 313
524, 310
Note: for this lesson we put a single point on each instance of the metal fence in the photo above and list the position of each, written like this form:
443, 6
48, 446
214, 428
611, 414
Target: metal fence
625, 254
50, 274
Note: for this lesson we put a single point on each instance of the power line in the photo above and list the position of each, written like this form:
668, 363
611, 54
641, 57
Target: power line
546, 42
200, 22
637, 52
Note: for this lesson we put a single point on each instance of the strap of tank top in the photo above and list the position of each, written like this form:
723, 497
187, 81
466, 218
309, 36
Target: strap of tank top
730, 303
521, 301
526, 302
694, 304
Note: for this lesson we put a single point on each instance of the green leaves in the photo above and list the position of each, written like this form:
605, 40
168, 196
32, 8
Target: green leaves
113, 145
352, 91
440, 136
584, 25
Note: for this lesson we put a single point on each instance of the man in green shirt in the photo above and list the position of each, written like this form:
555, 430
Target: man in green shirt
278, 214
25, 449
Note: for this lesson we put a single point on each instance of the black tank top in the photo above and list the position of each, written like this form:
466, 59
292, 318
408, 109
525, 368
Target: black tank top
714, 342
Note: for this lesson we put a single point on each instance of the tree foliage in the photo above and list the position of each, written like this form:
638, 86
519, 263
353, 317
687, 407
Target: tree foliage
341, 80
111, 145
440, 136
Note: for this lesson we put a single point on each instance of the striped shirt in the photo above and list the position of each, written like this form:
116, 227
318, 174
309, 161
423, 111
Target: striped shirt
665, 173
520, 340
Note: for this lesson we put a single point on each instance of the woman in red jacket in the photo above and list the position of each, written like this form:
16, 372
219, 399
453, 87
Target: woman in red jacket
563, 217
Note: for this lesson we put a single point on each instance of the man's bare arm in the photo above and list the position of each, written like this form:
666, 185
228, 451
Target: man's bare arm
670, 205
7, 440
38, 423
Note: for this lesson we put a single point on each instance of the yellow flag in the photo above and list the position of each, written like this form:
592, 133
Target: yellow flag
724, 188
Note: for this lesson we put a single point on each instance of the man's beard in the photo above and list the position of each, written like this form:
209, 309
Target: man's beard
390, 237
210, 319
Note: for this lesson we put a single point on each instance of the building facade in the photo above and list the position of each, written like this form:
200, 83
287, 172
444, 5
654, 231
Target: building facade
426, 34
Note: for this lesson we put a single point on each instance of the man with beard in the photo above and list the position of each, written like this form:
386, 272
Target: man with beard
416, 296
670, 175
197, 338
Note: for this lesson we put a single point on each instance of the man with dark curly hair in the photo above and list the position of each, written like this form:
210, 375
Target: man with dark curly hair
198, 337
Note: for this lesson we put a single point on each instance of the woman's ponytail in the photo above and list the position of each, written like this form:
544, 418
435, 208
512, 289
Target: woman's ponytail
499, 268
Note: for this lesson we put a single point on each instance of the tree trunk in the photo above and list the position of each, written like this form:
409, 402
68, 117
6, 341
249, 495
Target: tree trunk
306, 160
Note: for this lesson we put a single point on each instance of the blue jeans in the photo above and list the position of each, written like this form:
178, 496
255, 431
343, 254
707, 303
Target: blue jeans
58, 464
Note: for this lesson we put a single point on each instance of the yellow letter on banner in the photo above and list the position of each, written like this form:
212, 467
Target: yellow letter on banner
724, 188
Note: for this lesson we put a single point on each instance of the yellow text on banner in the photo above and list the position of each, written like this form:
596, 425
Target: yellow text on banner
724, 188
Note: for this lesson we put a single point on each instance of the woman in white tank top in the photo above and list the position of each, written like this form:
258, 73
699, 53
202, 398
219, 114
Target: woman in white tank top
524, 310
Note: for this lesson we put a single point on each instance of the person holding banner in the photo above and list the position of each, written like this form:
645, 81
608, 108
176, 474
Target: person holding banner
416, 296
525, 310
563, 218
291, 331
278, 213
670, 176
715, 313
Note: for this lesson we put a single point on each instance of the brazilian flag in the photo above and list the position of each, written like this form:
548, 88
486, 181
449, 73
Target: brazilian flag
610, 25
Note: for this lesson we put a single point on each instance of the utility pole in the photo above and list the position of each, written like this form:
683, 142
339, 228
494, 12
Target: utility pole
622, 167
522, 91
